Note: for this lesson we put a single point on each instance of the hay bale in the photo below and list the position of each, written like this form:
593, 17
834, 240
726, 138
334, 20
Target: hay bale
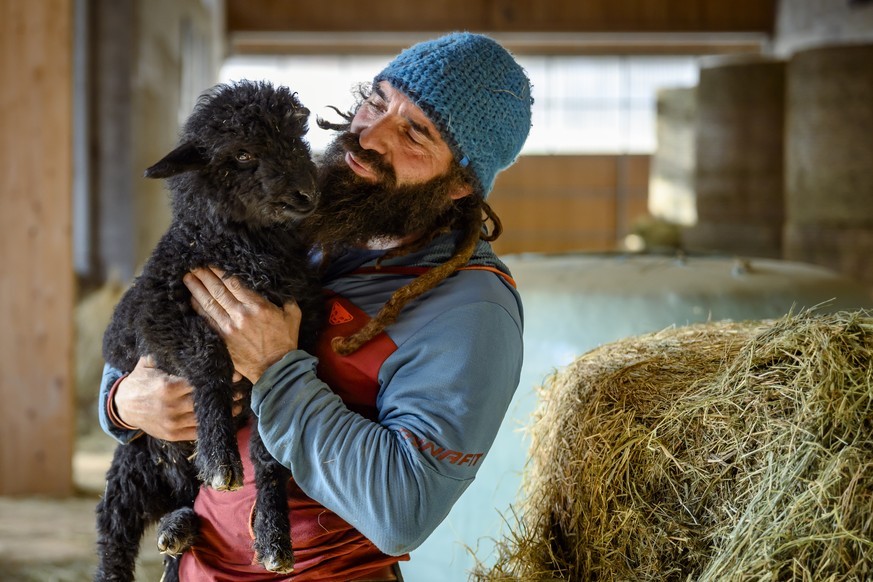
720, 451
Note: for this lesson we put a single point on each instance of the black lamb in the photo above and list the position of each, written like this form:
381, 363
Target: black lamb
241, 180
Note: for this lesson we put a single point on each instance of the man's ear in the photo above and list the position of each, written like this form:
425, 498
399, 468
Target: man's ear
461, 191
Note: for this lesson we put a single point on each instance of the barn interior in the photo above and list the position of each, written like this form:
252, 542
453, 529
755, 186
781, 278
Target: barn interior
689, 161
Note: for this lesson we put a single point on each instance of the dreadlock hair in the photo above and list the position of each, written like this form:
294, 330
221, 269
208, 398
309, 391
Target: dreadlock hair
362, 92
466, 217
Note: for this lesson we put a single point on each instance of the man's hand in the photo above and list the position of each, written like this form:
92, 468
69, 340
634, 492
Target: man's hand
157, 403
257, 332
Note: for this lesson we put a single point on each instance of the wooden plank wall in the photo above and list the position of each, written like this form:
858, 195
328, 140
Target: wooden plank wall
569, 203
36, 277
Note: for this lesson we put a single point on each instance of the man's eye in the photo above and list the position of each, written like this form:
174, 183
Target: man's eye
244, 156
377, 106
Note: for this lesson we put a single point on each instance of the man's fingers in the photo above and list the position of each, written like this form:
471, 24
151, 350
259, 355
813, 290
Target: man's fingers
233, 287
292, 312
221, 299
212, 287
203, 299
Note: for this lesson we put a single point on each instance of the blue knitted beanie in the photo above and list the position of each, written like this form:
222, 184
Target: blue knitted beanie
474, 92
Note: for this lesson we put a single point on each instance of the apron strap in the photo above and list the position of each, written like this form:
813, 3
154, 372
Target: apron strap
421, 270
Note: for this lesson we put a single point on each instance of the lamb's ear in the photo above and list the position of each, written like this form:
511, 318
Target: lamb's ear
299, 114
184, 158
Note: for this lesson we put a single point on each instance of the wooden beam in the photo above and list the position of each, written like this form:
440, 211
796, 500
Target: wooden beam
389, 43
36, 281
549, 16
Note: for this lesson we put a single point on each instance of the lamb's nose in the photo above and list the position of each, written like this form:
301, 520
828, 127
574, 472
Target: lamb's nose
305, 199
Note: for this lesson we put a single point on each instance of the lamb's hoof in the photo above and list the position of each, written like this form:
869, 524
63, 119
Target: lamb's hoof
224, 478
275, 555
177, 531
279, 562
171, 546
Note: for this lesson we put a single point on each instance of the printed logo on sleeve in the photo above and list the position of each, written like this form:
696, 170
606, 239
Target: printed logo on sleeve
439, 453
339, 314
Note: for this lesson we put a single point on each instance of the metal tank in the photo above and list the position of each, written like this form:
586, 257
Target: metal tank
829, 159
739, 157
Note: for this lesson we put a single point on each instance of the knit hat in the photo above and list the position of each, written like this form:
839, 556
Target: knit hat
474, 92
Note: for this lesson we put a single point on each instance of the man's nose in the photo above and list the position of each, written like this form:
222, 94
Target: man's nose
379, 134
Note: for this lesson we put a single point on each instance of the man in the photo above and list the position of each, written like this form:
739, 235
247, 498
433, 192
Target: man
386, 428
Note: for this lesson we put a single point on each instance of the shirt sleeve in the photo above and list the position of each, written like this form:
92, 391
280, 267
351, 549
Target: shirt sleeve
444, 393
110, 377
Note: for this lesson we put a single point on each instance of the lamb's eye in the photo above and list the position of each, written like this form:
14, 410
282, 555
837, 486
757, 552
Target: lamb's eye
244, 156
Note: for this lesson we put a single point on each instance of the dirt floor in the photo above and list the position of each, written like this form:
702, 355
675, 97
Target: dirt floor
53, 540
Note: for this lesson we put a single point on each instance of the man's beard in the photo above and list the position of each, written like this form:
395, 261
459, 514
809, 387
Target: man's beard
353, 211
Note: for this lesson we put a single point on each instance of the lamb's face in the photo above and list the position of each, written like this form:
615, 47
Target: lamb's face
264, 182
265, 169
243, 150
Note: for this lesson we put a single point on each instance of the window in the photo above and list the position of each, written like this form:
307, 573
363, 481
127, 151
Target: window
582, 104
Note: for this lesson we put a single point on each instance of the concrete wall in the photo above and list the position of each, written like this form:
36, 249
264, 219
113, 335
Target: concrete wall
829, 175
671, 180
738, 170
803, 24
829, 132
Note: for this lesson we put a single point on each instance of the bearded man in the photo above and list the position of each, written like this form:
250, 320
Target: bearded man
386, 425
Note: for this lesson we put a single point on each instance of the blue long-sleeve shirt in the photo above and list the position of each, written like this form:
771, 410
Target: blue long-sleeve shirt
442, 396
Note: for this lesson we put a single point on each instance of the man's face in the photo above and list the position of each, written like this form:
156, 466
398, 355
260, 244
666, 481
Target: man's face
390, 176
390, 125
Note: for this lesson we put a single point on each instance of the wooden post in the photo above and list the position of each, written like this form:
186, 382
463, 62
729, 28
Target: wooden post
36, 276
